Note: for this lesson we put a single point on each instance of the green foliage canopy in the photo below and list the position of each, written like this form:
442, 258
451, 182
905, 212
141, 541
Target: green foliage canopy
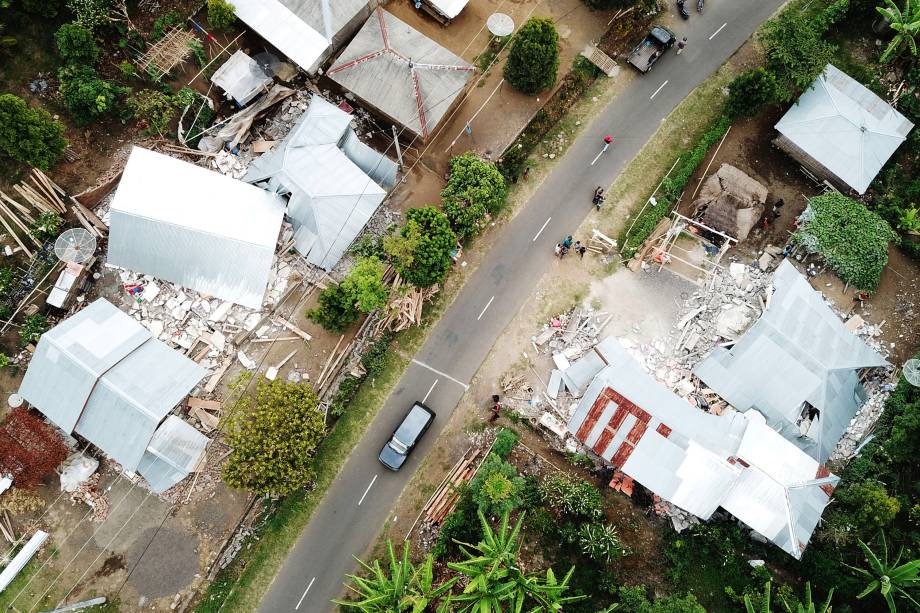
76, 44
497, 487
796, 52
91, 13
28, 135
534, 57
88, 97
906, 25
421, 249
475, 187
750, 91
221, 14
46, 227
361, 290
32, 329
572, 496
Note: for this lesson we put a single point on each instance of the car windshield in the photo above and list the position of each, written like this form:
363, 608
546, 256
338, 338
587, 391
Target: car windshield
398, 446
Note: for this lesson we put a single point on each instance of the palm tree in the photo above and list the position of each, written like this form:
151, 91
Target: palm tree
401, 588
889, 578
906, 24
808, 606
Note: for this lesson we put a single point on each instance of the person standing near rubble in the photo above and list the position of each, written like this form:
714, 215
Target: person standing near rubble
496, 408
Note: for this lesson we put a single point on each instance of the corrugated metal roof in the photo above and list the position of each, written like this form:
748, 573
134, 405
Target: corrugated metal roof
798, 351
241, 77
331, 197
173, 452
401, 72
102, 375
186, 224
698, 461
845, 127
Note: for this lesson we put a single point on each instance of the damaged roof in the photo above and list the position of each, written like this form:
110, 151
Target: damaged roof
699, 461
102, 375
798, 351
241, 77
333, 180
402, 73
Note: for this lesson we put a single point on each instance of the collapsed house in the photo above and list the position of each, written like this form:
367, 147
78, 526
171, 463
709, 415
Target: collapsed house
402, 74
102, 375
841, 131
182, 223
730, 201
798, 366
306, 31
333, 181
242, 78
697, 461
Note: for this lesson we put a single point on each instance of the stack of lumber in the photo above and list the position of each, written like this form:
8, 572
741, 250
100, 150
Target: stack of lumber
445, 497
404, 306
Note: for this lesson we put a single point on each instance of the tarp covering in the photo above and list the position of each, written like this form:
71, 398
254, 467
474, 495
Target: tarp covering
241, 77
699, 461
402, 73
102, 375
798, 352
731, 202
331, 197
186, 224
844, 128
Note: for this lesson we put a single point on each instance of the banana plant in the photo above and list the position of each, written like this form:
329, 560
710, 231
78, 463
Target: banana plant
906, 24
889, 578
809, 606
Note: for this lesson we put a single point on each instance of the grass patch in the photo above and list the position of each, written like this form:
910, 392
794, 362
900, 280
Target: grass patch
29, 598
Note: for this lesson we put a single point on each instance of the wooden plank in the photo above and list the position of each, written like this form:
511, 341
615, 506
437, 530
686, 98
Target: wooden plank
208, 421
293, 328
218, 374
201, 403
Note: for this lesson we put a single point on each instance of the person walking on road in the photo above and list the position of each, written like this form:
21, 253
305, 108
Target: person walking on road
681, 44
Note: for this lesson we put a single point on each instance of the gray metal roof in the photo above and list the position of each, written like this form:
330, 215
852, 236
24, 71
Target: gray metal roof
329, 176
334, 19
698, 461
183, 223
173, 452
402, 73
845, 127
241, 77
102, 375
798, 351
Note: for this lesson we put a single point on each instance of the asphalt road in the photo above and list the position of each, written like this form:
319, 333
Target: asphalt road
359, 501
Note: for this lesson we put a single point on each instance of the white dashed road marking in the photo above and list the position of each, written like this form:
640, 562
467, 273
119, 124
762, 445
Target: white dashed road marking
367, 490
719, 30
543, 227
430, 389
486, 308
300, 602
443, 374
657, 90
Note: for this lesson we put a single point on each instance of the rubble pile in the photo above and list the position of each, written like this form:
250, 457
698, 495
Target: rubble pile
89, 492
680, 519
861, 424
200, 485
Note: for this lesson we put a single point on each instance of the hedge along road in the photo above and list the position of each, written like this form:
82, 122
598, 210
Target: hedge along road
358, 502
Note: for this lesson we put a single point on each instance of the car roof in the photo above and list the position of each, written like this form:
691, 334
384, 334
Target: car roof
414, 422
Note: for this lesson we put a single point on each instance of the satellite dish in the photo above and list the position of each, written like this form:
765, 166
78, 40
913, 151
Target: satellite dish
75, 245
911, 372
500, 24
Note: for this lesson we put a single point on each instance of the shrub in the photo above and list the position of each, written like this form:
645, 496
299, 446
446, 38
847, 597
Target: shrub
221, 14
4, 360
505, 442
496, 488
374, 358
872, 507
8, 281
87, 97
91, 13
795, 51
153, 110
273, 433
573, 497
852, 239
76, 44
421, 250
534, 57
634, 600
364, 284
335, 310
343, 396
127, 70
751, 91
165, 23
32, 329
46, 227
473, 179
462, 524
531, 498
28, 135
600, 542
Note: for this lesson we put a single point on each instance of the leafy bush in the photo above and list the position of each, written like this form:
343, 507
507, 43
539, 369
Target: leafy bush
87, 97
374, 358
796, 53
165, 23
505, 442
496, 488
572, 497
28, 135
127, 70
153, 110
462, 524
364, 284
32, 329
872, 507
46, 227
4, 361
335, 310
473, 179
343, 396
221, 14
273, 433
91, 13
600, 542
634, 600
8, 281
534, 57
368, 245
751, 91
852, 239
421, 249
76, 44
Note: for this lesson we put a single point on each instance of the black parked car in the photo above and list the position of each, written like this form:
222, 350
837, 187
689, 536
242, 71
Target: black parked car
407, 435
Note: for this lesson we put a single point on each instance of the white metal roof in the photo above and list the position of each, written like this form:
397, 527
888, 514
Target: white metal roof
285, 30
189, 225
845, 127
241, 77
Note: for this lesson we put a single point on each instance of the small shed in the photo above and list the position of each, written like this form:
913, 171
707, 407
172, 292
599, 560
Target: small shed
306, 31
241, 78
841, 131
189, 225
405, 76
731, 202
100, 374
443, 10
333, 181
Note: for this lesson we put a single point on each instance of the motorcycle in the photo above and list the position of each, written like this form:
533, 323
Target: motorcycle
598, 199
699, 6
683, 9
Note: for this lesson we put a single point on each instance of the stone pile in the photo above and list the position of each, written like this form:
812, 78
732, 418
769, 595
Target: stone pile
680, 519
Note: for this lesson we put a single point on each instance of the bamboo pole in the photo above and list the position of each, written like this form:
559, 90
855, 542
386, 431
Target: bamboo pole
15, 219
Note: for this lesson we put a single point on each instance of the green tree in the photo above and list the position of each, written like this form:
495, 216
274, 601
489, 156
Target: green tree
422, 248
400, 587
872, 507
91, 13
604, 5
633, 599
364, 284
46, 227
573, 497
221, 14
76, 44
88, 97
273, 432
889, 578
505, 442
751, 91
475, 187
153, 109
534, 57
28, 135
497, 487
796, 52
335, 310
905, 23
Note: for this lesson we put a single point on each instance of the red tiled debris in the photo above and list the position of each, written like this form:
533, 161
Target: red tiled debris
663, 430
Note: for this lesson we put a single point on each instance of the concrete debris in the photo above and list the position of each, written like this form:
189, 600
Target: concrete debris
680, 519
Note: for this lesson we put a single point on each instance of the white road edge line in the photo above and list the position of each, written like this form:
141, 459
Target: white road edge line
543, 227
367, 490
430, 389
300, 602
657, 90
719, 30
443, 374
486, 308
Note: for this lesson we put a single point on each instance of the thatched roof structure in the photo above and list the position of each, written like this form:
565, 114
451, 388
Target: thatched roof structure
731, 202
